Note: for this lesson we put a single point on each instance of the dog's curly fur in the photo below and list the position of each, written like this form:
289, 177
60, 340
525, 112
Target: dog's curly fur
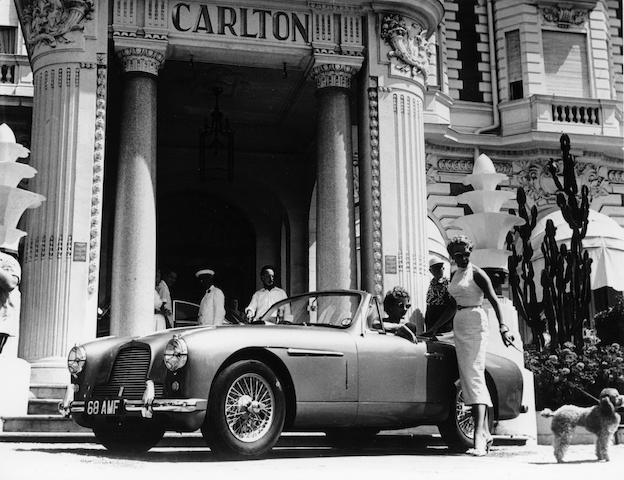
601, 420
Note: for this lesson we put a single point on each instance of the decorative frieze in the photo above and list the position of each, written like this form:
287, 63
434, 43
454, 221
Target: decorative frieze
534, 178
333, 75
48, 22
564, 17
615, 176
137, 59
408, 43
337, 29
373, 117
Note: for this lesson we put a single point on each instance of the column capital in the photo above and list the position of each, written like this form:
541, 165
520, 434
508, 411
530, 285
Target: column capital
141, 59
335, 70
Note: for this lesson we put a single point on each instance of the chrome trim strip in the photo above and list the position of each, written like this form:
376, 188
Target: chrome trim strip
302, 352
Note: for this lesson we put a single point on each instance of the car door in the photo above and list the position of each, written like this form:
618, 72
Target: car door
392, 374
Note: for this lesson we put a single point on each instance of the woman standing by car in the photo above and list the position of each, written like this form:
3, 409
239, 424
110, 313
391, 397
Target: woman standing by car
468, 285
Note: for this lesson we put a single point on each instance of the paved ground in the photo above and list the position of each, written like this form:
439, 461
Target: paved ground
302, 457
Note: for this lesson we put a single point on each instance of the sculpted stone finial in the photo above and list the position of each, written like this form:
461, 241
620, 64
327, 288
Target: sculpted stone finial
48, 21
408, 43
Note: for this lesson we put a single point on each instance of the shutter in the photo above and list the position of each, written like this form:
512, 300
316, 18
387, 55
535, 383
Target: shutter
514, 61
7, 39
565, 63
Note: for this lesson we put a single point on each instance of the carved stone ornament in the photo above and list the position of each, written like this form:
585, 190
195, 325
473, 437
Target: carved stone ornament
534, 178
333, 75
48, 21
408, 44
564, 17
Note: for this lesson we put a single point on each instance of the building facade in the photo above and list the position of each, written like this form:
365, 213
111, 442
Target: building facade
330, 139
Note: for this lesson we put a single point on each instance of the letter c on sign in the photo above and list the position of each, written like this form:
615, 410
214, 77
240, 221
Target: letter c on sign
176, 16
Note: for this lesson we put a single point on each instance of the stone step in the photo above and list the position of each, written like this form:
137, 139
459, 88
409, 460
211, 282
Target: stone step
43, 406
38, 390
41, 423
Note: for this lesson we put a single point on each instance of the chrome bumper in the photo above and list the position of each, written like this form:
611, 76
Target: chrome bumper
146, 406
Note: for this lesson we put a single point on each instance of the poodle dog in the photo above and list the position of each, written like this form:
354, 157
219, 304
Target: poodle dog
601, 420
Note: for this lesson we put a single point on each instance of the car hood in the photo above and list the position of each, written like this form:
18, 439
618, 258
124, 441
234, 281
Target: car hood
220, 341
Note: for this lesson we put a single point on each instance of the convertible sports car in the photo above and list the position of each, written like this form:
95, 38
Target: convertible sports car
320, 361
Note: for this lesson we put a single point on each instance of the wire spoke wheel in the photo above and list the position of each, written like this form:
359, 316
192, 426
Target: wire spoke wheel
249, 407
463, 416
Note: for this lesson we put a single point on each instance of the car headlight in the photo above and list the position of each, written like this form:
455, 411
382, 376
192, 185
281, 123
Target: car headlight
76, 359
176, 353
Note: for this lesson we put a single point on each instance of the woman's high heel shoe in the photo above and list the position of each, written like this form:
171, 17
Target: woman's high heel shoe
477, 452
482, 452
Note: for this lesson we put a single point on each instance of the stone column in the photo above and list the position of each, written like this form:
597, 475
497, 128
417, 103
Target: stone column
61, 253
335, 225
134, 247
393, 190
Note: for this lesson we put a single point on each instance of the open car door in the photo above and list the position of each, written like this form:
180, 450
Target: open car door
185, 313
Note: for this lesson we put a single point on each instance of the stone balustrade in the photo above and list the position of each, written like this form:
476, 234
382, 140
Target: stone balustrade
547, 113
15, 69
576, 113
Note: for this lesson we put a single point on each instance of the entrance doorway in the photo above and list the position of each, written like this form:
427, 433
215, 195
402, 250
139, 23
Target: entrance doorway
198, 230
253, 214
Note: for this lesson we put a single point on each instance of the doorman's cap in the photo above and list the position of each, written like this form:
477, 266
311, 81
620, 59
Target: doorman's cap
435, 261
205, 271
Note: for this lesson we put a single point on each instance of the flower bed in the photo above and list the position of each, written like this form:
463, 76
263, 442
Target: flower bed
561, 372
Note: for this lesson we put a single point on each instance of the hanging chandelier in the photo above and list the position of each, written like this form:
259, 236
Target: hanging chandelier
216, 145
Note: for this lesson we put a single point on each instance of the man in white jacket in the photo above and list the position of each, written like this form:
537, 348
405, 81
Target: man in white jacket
266, 296
212, 306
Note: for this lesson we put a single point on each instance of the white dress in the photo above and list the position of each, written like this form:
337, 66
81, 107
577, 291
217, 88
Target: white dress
470, 329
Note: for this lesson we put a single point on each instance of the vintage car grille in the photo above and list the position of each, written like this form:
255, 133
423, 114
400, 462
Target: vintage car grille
130, 372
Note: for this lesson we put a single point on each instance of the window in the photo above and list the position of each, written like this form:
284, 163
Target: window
565, 63
514, 64
7, 39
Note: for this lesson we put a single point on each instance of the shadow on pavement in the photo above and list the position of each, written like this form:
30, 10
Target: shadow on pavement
292, 446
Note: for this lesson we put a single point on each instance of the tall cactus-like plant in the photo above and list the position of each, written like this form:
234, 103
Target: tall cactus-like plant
566, 274
522, 284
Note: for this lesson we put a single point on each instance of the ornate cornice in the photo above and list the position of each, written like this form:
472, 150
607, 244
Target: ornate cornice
373, 117
48, 22
408, 44
333, 75
564, 17
139, 59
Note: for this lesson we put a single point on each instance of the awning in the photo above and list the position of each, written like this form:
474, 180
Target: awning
604, 243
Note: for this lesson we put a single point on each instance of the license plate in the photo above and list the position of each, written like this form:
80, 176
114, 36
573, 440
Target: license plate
105, 406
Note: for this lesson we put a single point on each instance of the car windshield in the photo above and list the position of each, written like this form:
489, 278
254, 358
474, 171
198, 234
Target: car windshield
335, 310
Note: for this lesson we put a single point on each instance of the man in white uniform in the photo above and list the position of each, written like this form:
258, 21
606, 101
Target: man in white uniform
266, 296
212, 306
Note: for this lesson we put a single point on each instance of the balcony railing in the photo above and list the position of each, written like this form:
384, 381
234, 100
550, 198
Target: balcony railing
549, 113
15, 75
588, 115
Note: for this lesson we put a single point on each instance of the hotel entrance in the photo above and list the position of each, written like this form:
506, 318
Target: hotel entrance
233, 204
